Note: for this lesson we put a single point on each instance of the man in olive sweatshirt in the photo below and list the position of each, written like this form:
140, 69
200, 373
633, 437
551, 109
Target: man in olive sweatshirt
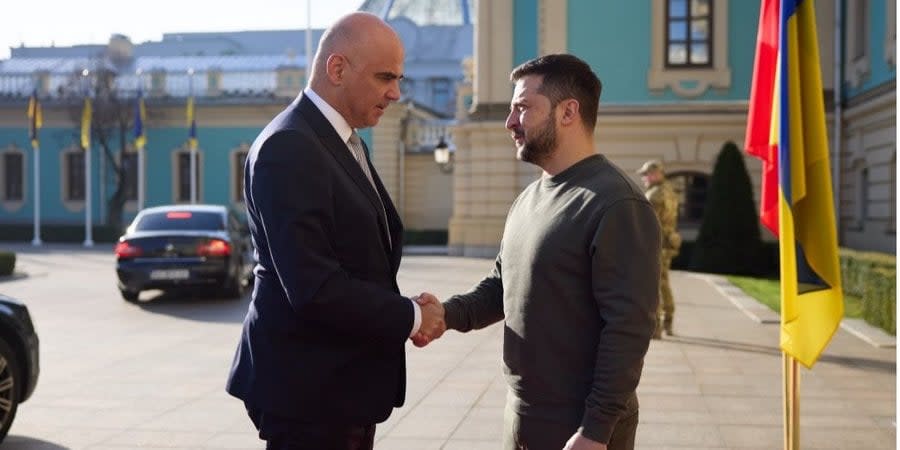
576, 280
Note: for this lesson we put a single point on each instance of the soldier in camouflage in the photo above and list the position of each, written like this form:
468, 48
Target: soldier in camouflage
665, 204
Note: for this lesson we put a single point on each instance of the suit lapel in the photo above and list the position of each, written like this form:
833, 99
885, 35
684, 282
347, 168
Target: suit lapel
338, 149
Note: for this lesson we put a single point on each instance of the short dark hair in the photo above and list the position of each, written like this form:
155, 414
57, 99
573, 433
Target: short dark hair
565, 76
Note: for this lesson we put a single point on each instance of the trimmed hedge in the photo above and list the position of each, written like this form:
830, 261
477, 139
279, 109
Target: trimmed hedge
880, 299
7, 263
57, 233
872, 277
424, 237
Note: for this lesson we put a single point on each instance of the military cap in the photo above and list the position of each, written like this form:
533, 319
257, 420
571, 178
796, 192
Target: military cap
651, 166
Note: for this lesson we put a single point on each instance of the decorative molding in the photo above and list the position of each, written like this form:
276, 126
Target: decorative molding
553, 27
855, 70
693, 82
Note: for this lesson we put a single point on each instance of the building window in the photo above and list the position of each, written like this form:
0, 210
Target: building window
74, 164
689, 33
13, 176
860, 30
691, 188
183, 176
862, 196
213, 80
689, 47
440, 94
240, 157
130, 172
857, 42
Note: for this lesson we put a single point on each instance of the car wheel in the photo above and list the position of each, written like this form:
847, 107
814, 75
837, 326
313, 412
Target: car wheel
10, 379
130, 296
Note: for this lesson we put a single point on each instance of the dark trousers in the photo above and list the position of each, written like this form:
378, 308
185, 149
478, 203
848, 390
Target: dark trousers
529, 433
281, 433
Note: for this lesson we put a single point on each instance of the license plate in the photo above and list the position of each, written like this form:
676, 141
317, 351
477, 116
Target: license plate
173, 274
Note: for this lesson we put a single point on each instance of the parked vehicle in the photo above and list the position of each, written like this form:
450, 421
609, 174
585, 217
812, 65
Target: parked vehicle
179, 246
19, 359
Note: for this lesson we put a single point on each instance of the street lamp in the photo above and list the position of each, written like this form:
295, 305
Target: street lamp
442, 156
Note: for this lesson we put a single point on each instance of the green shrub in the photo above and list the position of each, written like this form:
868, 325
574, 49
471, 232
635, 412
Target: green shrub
880, 299
424, 237
7, 263
729, 239
57, 233
856, 265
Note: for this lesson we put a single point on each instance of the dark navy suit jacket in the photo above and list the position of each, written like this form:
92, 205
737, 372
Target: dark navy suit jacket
324, 336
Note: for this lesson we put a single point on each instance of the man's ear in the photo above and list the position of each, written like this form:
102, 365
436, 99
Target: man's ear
335, 67
569, 111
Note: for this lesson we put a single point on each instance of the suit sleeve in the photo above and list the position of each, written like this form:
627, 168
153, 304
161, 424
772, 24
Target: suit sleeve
292, 195
625, 284
479, 308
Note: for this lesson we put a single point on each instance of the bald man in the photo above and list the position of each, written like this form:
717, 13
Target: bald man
321, 357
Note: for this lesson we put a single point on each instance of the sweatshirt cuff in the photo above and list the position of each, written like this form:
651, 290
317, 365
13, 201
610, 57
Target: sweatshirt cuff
597, 429
417, 318
451, 315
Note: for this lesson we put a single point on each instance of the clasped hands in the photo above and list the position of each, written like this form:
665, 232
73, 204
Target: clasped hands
433, 325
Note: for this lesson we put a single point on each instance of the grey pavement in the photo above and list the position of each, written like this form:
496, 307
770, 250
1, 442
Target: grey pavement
122, 376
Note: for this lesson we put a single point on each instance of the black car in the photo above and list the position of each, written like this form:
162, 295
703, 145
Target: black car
181, 246
19, 367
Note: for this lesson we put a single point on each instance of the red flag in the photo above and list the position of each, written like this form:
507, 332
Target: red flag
759, 116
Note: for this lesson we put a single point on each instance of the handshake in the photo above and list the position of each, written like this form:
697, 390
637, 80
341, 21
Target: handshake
433, 325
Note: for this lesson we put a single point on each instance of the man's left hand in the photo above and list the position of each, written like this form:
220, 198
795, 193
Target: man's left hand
579, 442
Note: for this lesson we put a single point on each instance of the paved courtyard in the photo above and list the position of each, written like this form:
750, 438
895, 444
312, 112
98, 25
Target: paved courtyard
121, 376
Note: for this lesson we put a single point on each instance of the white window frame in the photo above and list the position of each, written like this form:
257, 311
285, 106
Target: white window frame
689, 82
175, 174
131, 205
235, 171
70, 205
13, 205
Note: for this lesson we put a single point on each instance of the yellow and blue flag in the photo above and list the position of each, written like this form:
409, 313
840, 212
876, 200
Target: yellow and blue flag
192, 124
35, 119
86, 114
140, 116
811, 297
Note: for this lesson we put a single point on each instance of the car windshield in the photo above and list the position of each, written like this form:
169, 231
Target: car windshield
181, 220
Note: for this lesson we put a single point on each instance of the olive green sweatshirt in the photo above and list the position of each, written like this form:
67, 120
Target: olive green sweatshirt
576, 283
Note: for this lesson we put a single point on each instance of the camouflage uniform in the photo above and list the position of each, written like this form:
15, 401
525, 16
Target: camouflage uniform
665, 204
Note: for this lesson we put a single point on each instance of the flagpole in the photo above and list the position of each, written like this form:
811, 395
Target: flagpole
791, 403
192, 147
36, 241
88, 235
35, 118
140, 154
309, 56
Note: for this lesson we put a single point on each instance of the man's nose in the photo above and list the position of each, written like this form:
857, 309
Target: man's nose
393, 94
512, 121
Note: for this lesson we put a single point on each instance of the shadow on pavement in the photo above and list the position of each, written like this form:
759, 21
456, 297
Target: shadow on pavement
27, 443
848, 361
195, 305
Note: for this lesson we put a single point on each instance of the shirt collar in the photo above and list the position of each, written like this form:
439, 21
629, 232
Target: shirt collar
335, 118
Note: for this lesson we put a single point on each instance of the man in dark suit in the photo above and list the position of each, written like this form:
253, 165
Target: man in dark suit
321, 358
